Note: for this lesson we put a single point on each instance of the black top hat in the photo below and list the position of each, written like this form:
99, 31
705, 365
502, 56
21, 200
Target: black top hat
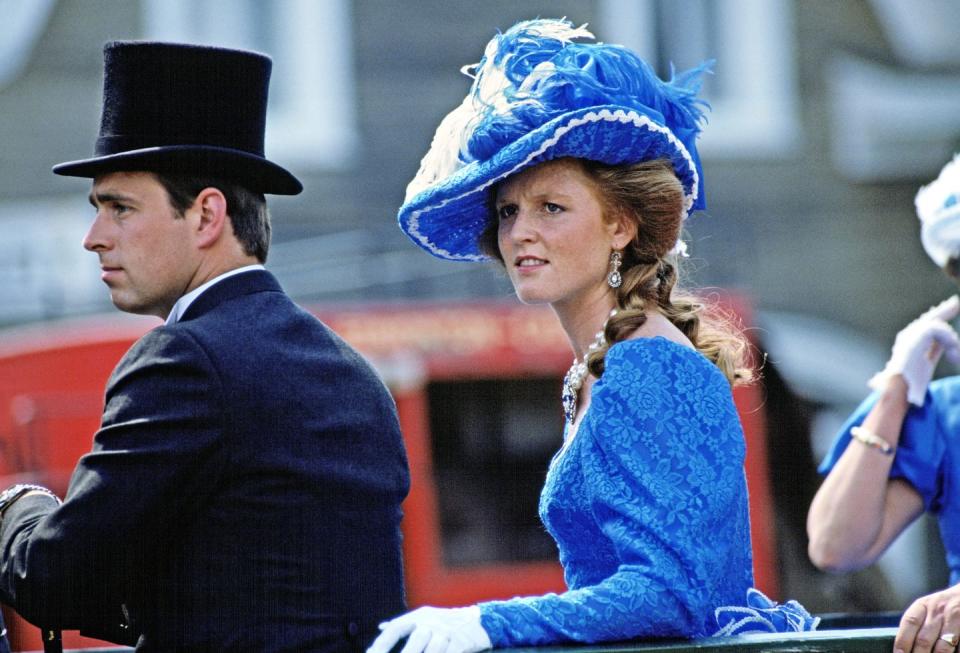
176, 108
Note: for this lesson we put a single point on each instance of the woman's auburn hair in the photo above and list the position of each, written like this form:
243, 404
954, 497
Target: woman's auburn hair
650, 193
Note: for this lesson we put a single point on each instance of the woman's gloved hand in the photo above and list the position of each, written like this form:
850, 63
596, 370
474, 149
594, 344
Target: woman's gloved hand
918, 348
434, 630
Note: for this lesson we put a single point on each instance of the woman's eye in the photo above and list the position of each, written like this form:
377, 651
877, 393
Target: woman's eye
550, 207
505, 212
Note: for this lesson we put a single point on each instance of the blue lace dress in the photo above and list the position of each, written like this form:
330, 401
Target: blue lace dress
928, 457
648, 506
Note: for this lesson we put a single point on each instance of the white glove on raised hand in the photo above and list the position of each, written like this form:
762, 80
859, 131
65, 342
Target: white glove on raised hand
434, 630
918, 347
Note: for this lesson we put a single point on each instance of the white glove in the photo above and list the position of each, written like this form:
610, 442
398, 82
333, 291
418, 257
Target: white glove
918, 347
434, 630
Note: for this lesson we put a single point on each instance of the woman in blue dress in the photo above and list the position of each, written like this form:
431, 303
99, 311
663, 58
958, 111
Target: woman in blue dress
575, 166
898, 455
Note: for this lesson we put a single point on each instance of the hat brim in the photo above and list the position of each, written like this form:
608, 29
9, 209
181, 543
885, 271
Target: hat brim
447, 218
256, 173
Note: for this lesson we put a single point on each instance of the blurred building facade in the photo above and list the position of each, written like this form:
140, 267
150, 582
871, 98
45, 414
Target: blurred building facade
826, 118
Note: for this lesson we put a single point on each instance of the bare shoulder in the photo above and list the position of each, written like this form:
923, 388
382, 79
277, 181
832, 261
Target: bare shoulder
658, 325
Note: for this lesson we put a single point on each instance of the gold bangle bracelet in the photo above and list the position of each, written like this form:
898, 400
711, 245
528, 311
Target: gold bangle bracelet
872, 440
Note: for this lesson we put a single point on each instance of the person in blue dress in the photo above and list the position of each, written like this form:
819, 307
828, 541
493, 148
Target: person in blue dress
898, 455
575, 166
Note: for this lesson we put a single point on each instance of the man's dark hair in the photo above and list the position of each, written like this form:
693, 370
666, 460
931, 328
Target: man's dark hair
247, 210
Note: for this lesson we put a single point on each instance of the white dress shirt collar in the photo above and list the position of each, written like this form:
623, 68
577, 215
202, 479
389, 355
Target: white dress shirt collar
184, 302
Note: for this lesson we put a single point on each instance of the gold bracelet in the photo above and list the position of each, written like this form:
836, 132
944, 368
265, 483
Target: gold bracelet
872, 440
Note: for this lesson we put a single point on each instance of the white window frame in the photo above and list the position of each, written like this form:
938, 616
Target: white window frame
758, 114
311, 119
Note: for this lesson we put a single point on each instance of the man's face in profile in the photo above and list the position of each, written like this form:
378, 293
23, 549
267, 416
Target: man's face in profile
146, 253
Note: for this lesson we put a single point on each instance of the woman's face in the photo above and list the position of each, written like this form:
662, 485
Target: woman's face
552, 234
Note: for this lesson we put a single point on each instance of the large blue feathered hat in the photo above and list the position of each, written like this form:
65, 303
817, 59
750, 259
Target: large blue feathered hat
537, 96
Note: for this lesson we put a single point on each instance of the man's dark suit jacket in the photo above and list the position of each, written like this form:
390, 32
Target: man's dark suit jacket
243, 492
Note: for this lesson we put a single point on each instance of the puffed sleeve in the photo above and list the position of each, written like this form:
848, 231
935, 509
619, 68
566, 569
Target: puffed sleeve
663, 476
163, 419
922, 448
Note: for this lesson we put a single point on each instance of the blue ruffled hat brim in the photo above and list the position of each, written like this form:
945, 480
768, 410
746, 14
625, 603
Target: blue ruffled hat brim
447, 218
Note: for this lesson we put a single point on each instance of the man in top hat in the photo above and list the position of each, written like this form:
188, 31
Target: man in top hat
244, 489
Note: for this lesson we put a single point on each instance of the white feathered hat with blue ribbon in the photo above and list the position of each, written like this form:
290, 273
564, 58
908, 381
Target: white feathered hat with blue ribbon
938, 207
536, 96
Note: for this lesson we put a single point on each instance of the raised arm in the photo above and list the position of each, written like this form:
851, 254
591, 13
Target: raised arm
859, 509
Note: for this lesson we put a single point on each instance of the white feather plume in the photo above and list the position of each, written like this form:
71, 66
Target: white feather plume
448, 149
938, 207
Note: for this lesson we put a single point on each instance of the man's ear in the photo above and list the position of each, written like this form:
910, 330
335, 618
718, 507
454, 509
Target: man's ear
212, 208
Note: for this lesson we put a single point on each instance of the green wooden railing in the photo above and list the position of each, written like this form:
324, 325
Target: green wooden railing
860, 640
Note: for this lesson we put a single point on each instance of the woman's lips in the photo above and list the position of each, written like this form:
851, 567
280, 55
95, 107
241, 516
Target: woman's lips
530, 262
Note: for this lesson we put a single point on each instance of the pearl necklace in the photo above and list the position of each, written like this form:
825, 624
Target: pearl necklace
573, 379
